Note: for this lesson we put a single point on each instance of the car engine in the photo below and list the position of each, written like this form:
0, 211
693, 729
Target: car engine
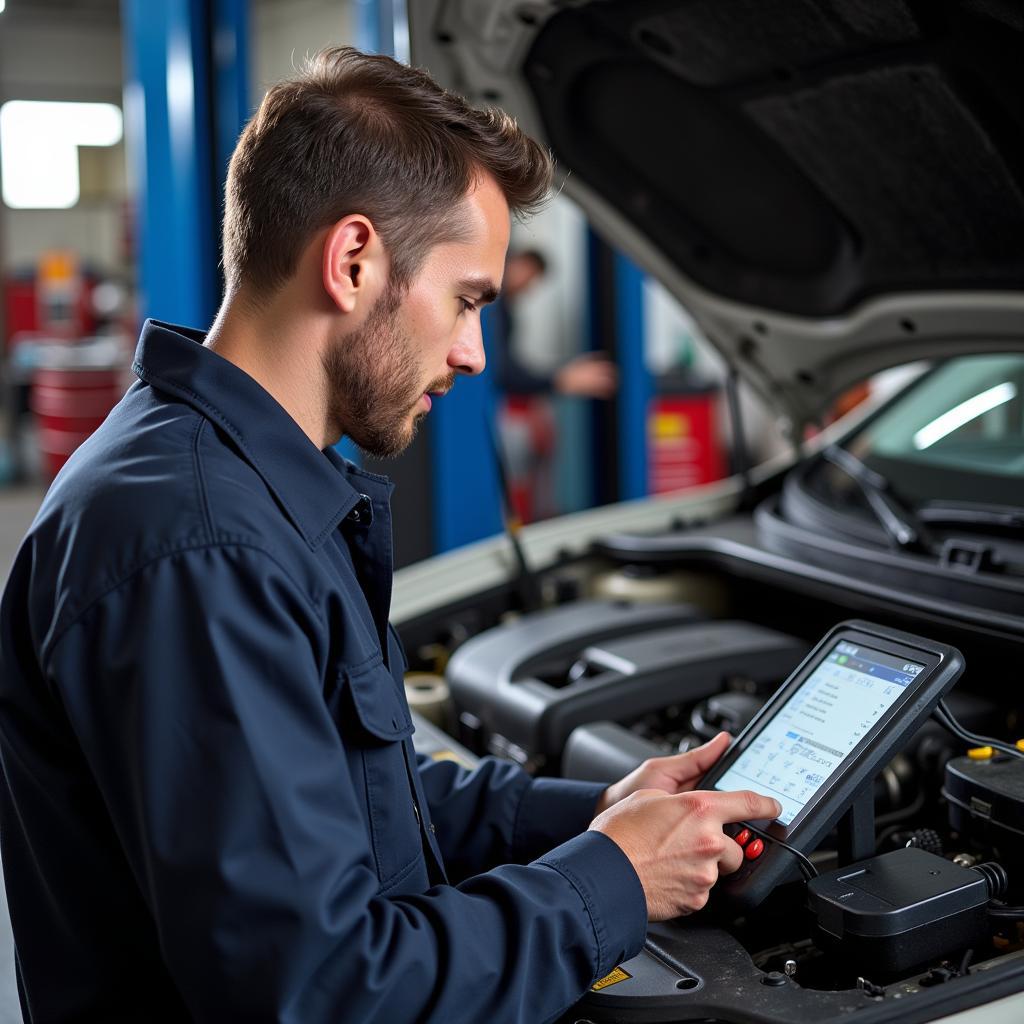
590, 686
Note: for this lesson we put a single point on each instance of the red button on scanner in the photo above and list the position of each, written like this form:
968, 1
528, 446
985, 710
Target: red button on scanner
754, 850
743, 837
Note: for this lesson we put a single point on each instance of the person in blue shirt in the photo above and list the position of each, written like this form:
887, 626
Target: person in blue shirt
588, 375
211, 806
526, 422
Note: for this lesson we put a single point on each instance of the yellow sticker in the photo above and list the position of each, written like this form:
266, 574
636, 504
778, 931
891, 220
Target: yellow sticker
449, 755
611, 979
669, 424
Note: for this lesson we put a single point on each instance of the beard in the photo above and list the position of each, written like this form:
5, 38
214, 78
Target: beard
373, 382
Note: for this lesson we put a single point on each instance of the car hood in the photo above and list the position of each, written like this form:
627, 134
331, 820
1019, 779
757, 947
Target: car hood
830, 187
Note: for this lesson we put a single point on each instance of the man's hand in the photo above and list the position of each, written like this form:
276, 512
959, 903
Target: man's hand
590, 375
676, 844
676, 774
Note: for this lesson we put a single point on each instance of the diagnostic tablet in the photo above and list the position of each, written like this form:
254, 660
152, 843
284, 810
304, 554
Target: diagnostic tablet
821, 740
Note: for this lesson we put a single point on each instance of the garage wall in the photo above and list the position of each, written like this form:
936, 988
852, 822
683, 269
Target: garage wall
74, 57
284, 31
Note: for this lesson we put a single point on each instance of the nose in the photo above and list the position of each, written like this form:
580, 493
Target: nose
467, 354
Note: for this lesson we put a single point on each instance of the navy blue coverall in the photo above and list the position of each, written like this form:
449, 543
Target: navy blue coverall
211, 807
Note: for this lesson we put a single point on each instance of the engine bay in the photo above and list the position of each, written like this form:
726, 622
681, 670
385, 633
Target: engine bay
628, 662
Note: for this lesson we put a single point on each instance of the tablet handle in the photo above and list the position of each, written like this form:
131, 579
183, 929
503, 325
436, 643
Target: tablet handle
857, 828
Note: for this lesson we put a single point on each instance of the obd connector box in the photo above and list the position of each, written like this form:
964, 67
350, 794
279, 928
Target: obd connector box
900, 910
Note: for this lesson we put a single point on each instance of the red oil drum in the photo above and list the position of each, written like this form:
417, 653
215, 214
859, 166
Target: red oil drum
69, 404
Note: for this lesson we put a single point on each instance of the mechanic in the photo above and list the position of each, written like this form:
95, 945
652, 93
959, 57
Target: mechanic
526, 421
588, 375
211, 807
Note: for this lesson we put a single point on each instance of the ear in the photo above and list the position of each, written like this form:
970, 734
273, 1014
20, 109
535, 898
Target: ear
354, 264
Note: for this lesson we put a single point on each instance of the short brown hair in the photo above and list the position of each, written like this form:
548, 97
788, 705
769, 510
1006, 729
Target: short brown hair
355, 133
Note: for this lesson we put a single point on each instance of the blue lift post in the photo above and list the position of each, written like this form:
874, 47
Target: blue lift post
466, 493
180, 142
232, 96
167, 75
369, 37
617, 326
634, 379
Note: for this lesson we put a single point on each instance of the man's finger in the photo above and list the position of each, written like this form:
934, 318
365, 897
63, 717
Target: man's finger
731, 859
743, 805
704, 756
692, 764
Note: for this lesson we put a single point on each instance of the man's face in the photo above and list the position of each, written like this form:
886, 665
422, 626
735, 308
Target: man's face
414, 343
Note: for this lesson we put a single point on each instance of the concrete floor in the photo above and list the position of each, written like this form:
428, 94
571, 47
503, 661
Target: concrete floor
17, 509
18, 506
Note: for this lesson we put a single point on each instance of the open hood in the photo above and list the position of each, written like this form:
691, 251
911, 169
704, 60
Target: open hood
830, 187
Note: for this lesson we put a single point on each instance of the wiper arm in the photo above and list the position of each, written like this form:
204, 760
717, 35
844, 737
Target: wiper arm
1006, 517
900, 524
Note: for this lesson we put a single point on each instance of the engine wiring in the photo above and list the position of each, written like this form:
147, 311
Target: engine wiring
946, 718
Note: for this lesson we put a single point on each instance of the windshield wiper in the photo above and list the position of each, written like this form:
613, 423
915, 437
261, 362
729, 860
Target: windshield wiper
972, 513
900, 523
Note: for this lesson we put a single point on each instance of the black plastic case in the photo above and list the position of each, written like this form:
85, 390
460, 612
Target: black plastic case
986, 802
605, 752
899, 910
514, 681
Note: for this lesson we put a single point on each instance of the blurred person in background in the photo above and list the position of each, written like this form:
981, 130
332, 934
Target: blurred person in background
527, 422
590, 375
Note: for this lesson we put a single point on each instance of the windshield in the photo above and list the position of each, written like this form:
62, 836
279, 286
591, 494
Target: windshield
957, 435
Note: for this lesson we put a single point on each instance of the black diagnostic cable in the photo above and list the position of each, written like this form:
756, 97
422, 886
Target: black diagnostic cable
803, 862
529, 589
997, 909
998, 881
945, 717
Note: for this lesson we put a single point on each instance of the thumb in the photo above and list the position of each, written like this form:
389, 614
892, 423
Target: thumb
704, 756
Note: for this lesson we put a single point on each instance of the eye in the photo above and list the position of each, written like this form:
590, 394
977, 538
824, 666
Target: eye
467, 305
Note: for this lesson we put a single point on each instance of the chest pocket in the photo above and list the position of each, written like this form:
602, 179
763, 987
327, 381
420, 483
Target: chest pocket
375, 719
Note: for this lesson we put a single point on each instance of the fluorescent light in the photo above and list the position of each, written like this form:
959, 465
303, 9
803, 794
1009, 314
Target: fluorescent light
3, 4
964, 413
39, 149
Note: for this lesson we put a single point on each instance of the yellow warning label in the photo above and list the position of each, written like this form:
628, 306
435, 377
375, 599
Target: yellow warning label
611, 979
669, 424
450, 755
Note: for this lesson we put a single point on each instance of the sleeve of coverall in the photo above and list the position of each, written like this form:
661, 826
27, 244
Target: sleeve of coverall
496, 813
204, 724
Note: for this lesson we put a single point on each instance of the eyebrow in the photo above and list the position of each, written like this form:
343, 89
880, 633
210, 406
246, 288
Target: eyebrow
484, 287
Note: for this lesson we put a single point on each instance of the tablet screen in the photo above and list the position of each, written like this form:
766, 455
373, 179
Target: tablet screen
821, 724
